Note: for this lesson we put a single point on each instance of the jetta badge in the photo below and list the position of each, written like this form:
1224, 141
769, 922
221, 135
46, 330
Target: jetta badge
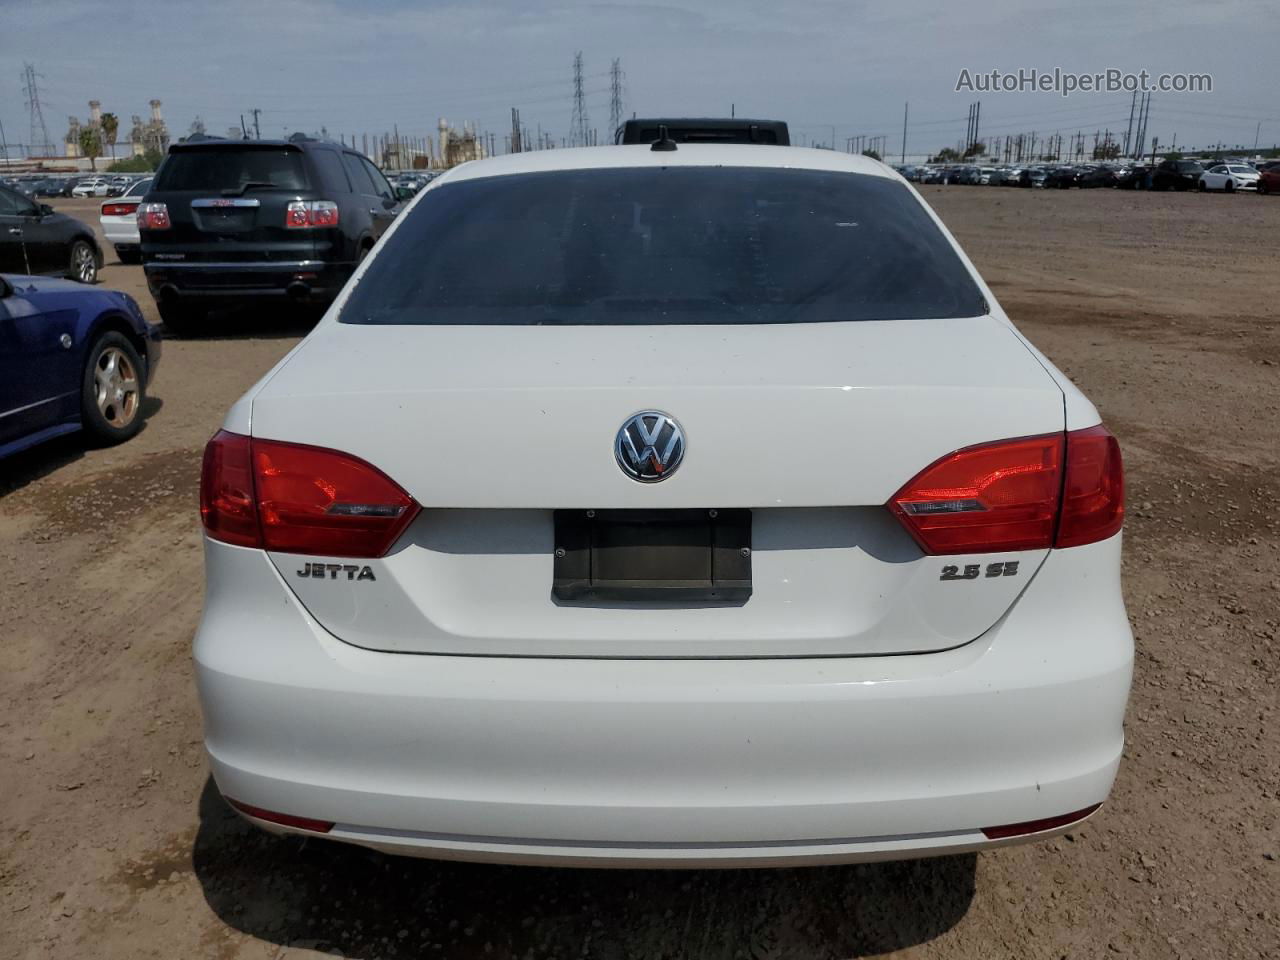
649, 446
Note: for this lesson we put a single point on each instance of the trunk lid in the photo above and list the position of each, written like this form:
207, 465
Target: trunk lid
812, 427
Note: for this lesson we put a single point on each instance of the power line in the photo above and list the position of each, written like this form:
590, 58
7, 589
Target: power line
578, 126
615, 101
32, 91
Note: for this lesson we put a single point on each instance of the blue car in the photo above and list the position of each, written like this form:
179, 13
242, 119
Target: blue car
71, 357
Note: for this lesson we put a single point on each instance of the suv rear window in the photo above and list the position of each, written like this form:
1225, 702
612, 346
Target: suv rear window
232, 169
652, 245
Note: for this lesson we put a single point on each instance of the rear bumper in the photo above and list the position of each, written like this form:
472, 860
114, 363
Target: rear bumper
247, 280
121, 232
662, 762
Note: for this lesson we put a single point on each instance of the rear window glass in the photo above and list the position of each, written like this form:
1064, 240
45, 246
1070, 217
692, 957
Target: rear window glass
652, 245
232, 169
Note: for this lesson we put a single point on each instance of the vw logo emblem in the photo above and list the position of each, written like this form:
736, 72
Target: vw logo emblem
649, 446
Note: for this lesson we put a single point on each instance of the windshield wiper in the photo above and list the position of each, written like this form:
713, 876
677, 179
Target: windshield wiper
247, 185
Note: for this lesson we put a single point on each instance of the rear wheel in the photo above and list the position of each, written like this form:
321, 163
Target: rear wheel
129, 256
113, 389
84, 262
183, 319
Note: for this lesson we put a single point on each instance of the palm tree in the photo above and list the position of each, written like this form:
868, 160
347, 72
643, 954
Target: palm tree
110, 126
91, 145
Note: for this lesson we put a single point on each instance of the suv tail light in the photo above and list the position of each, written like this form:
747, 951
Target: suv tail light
1032, 493
305, 214
153, 216
299, 499
119, 209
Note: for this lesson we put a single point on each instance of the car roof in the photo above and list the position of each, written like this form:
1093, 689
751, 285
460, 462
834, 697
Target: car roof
218, 143
687, 155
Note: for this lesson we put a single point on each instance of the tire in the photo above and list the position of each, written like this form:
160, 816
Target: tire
113, 389
1229, 186
83, 264
1203, 188
129, 256
1262, 188
182, 319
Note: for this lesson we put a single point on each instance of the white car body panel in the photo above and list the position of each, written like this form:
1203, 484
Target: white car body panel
92, 188
122, 230
450, 708
711, 762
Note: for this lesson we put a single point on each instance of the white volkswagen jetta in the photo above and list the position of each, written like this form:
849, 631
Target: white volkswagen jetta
693, 507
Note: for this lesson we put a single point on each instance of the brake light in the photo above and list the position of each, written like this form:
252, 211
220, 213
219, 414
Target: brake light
299, 499
118, 209
1031, 493
227, 505
992, 497
305, 214
153, 216
1093, 494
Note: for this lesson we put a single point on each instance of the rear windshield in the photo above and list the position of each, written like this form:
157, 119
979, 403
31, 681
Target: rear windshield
652, 245
232, 169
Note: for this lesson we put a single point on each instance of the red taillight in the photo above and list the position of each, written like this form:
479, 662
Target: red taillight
119, 209
284, 819
299, 499
304, 214
227, 505
153, 216
1038, 826
1093, 495
993, 497
1061, 490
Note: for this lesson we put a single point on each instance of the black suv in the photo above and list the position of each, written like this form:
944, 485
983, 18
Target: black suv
234, 221
705, 130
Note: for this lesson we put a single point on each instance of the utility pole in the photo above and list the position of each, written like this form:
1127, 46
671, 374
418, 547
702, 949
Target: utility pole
257, 130
905, 107
39, 132
1132, 103
578, 125
4, 145
615, 96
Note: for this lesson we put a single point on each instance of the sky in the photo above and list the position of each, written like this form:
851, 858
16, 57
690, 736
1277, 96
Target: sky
832, 69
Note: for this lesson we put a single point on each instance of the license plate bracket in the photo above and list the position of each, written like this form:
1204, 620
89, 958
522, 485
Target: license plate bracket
652, 555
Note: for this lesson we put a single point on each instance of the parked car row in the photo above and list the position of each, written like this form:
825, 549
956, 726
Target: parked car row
105, 185
1170, 174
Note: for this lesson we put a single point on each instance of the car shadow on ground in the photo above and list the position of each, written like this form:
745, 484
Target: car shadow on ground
330, 896
44, 458
282, 322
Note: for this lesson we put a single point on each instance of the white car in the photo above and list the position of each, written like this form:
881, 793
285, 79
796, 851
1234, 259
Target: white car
695, 506
1229, 177
119, 219
94, 187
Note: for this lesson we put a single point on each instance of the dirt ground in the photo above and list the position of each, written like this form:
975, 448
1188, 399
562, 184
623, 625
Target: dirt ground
1163, 307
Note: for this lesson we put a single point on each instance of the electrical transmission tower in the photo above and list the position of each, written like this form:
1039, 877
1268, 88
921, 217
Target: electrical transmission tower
578, 127
615, 101
39, 132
